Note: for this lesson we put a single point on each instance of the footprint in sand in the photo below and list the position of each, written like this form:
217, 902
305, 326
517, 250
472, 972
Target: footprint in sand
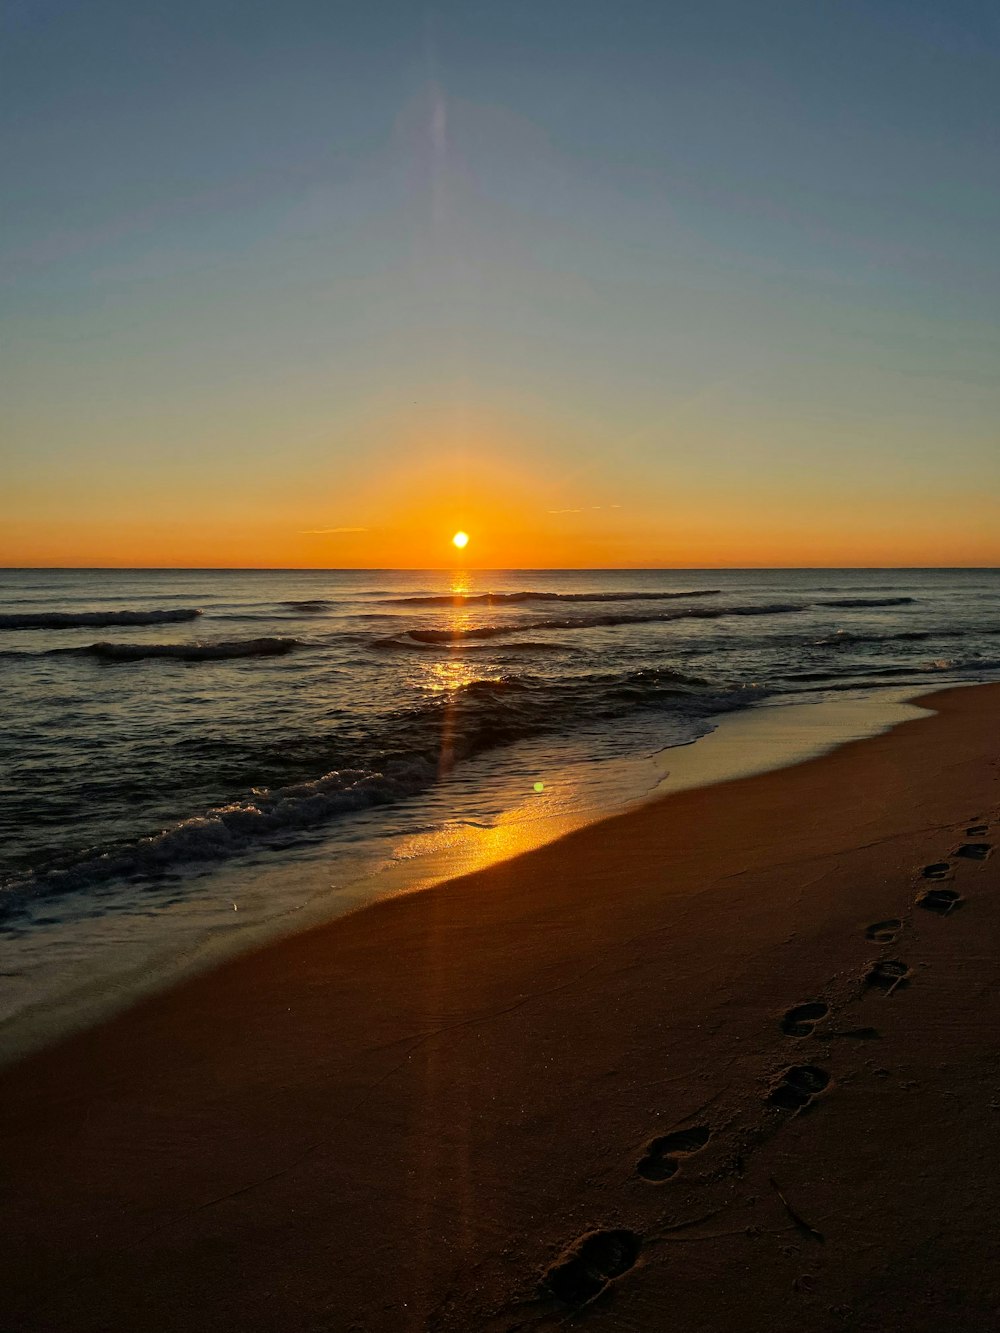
938, 870
977, 830
884, 932
798, 1087
585, 1269
941, 901
800, 1021
663, 1156
888, 975
975, 851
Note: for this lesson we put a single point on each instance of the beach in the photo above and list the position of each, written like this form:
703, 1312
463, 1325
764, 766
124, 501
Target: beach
500, 668
566, 1087
174, 792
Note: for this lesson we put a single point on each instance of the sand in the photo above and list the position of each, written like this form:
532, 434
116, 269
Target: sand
558, 1091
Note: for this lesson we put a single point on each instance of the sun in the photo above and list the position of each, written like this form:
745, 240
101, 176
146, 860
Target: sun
461, 540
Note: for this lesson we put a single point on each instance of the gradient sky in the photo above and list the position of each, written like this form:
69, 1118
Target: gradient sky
602, 282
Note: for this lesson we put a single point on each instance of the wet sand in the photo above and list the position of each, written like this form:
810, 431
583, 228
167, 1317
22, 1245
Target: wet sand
413, 1117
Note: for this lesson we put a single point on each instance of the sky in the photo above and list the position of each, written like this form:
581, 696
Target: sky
623, 283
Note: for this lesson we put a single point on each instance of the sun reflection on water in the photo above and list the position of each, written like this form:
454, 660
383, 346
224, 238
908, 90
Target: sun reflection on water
446, 677
461, 584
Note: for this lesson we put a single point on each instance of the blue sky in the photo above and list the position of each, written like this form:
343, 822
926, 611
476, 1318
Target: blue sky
715, 256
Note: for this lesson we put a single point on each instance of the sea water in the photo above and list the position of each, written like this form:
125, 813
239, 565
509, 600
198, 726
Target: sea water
190, 754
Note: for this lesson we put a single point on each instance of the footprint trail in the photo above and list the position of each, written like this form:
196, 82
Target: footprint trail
664, 1156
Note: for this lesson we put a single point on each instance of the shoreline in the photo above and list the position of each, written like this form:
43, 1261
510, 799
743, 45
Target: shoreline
757, 739
401, 1119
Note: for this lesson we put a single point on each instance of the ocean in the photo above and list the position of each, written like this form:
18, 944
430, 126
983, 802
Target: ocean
189, 752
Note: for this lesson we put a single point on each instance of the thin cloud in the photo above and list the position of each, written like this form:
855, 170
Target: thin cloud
326, 532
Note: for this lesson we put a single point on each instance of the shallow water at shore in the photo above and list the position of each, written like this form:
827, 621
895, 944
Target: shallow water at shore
68, 970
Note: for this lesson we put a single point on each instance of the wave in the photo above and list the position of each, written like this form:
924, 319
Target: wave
220, 651
460, 633
421, 744
95, 619
404, 643
313, 607
914, 677
913, 669
867, 601
855, 588
503, 598
846, 636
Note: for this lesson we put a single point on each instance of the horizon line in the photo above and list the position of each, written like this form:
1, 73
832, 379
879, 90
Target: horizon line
457, 569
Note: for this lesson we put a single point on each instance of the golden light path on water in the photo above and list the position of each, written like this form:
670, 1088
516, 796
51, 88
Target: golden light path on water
449, 676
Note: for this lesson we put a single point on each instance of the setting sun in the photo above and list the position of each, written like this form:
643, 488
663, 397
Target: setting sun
461, 540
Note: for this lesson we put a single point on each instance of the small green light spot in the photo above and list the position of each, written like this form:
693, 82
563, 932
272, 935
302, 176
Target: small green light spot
539, 786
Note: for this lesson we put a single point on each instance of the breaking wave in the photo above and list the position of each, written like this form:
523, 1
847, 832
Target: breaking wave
421, 745
846, 637
866, 670
868, 601
406, 643
504, 598
222, 650
458, 633
95, 619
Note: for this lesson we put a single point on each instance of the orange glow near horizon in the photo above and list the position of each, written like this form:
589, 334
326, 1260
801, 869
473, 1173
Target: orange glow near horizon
528, 507
713, 535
